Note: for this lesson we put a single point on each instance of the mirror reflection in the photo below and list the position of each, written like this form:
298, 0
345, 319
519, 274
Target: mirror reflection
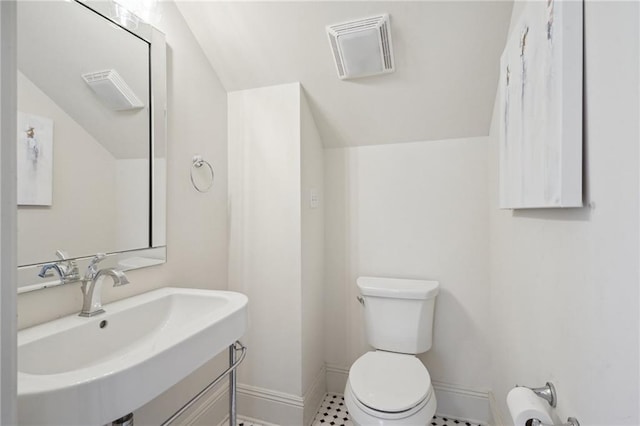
84, 134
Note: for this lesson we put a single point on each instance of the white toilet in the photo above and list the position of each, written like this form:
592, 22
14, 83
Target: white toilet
391, 386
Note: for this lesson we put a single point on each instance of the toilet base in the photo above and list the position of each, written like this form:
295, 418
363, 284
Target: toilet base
364, 416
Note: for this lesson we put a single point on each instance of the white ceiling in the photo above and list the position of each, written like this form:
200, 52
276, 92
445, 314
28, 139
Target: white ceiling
446, 56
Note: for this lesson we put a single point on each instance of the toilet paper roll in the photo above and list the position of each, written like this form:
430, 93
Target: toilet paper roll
525, 405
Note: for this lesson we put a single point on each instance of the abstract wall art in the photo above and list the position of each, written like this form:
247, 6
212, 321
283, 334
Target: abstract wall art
541, 108
35, 160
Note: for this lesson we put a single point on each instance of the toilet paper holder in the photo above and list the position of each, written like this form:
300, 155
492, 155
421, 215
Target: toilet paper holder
546, 392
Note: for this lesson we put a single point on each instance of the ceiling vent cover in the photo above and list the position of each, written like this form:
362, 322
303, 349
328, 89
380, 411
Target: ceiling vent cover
363, 47
112, 90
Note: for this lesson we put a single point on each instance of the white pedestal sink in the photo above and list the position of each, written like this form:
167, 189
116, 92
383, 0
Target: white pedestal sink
91, 371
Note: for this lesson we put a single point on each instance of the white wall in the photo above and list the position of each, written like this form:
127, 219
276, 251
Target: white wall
84, 191
8, 219
265, 235
132, 208
196, 223
564, 283
312, 226
413, 210
275, 250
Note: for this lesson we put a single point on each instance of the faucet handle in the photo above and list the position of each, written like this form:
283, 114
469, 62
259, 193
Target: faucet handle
92, 269
69, 268
48, 269
62, 255
99, 257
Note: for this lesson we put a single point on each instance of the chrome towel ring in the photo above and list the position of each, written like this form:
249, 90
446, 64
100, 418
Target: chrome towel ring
202, 183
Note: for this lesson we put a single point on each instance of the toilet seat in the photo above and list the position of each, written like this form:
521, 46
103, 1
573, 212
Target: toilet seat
390, 383
364, 415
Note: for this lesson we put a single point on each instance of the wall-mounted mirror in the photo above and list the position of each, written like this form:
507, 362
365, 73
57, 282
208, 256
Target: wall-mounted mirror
91, 137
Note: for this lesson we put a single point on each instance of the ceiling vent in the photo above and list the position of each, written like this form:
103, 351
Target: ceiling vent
112, 90
363, 47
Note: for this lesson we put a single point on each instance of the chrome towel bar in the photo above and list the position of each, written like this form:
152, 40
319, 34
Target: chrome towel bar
234, 362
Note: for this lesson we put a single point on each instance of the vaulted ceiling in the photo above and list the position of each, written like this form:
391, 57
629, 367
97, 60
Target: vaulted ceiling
447, 57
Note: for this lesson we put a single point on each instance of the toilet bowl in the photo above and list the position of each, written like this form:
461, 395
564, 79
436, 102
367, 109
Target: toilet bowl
386, 388
390, 386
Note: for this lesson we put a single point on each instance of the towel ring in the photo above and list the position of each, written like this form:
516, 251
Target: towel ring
196, 164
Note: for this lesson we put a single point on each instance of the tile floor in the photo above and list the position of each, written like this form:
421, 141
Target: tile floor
333, 412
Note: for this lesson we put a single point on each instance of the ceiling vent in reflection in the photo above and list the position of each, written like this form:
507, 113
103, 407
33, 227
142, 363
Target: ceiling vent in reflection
112, 90
363, 47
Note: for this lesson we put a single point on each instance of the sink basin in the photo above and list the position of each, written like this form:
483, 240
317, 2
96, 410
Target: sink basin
91, 371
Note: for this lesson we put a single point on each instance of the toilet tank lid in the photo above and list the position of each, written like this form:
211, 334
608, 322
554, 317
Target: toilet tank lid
398, 288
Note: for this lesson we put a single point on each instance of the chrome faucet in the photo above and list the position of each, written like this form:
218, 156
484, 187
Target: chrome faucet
92, 285
44, 272
66, 269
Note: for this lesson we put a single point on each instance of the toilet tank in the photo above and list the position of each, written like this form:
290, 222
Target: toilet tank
398, 313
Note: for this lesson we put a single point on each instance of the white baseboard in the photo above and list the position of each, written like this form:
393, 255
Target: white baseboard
270, 406
461, 403
267, 406
313, 397
453, 400
336, 378
212, 410
225, 421
496, 417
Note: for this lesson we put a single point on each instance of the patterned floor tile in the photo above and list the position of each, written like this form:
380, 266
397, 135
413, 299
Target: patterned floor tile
447, 421
332, 412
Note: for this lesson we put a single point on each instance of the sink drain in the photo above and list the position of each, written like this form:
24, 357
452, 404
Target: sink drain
103, 323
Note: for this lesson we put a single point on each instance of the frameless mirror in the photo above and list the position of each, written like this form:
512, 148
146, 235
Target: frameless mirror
91, 137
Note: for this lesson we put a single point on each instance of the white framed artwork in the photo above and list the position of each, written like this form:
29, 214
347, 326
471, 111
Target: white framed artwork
541, 108
35, 160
